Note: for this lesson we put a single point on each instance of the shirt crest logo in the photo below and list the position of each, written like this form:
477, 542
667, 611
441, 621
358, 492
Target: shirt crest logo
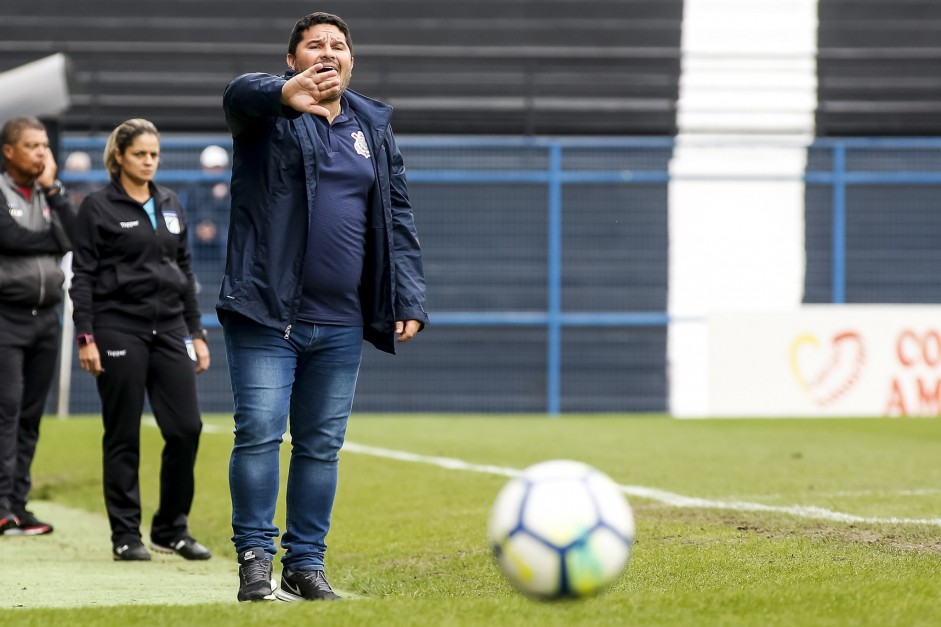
172, 221
359, 143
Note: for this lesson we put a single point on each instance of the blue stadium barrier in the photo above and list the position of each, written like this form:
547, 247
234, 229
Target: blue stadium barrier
543, 171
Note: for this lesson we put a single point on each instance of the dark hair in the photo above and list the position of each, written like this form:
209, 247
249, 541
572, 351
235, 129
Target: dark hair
122, 137
312, 20
10, 134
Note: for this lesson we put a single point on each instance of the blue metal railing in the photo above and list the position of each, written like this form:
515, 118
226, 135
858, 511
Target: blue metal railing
554, 319
839, 223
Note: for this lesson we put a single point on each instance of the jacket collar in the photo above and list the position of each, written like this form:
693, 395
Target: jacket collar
115, 191
13, 184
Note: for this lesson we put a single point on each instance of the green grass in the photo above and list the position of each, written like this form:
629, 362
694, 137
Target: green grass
408, 538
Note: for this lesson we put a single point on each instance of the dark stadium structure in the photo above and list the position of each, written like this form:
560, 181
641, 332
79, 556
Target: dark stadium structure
526, 70
530, 67
487, 66
877, 68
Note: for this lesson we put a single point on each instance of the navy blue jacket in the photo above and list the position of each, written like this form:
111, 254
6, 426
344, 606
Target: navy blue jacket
274, 182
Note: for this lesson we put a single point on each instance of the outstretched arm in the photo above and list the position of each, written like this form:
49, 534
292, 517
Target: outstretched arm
253, 101
257, 99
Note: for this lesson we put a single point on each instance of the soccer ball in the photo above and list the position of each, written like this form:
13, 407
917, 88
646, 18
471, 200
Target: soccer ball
561, 529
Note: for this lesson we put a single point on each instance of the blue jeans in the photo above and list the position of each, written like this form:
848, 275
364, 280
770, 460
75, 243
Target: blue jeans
310, 377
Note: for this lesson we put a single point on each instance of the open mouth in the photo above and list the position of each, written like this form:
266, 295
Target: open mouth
325, 68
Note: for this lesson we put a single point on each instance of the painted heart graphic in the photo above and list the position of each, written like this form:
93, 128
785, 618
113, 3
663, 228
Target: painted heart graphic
827, 371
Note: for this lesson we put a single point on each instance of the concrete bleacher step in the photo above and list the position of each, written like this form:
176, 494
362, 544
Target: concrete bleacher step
877, 67
435, 62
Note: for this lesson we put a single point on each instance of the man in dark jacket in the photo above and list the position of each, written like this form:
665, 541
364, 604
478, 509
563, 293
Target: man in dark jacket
322, 253
34, 219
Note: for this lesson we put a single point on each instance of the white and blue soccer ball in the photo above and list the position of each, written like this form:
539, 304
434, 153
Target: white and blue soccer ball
561, 529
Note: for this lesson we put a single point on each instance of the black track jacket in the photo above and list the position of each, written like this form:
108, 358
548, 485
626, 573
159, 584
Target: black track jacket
128, 275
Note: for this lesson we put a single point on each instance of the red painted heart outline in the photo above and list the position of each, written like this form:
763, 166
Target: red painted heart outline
841, 371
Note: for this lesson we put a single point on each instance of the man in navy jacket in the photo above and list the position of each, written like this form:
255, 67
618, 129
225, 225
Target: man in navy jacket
322, 254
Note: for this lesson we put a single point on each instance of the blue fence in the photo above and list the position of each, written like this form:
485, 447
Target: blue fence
565, 241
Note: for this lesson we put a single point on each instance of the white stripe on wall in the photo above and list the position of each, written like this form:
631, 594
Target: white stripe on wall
748, 94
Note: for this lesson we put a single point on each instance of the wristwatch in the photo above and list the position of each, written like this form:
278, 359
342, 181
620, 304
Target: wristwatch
55, 189
202, 334
85, 339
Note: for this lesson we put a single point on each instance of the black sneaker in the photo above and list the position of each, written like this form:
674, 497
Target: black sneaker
256, 583
8, 522
130, 552
28, 525
305, 586
186, 547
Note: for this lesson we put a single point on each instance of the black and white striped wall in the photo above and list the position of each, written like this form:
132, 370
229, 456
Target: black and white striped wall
747, 99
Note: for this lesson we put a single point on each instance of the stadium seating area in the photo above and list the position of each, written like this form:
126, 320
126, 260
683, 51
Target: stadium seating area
489, 66
877, 66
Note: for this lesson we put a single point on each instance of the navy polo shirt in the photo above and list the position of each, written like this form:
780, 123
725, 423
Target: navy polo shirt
337, 236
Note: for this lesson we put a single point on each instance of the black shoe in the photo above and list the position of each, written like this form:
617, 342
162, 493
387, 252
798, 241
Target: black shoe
305, 586
28, 525
8, 522
186, 547
130, 552
256, 582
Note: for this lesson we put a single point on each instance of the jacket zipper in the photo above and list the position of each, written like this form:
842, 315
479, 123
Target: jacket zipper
42, 284
155, 225
287, 332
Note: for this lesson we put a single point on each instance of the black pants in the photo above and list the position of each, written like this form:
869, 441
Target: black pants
29, 345
160, 365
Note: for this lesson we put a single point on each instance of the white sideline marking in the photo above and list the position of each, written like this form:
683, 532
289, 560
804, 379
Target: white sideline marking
840, 493
662, 496
921, 492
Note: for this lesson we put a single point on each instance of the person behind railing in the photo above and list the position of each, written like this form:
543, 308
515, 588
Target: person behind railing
207, 205
138, 328
78, 164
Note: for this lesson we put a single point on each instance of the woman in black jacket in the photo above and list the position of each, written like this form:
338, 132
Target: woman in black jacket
138, 329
